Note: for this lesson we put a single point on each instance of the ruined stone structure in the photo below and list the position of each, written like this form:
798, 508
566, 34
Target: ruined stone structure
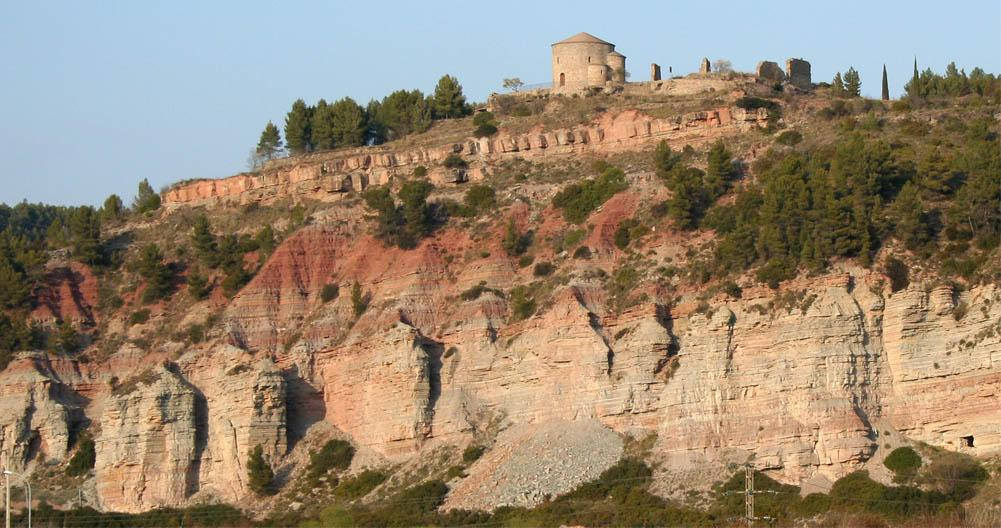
654, 72
798, 72
770, 71
704, 66
584, 61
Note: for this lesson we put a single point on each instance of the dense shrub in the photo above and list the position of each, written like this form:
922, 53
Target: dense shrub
259, 472
329, 292
582, 252
83, 459
454, 161
139, 317
514, 242
359, 485
480, 197
903, 462
543, 269
335, 454
629, 229
472, 453
522, 303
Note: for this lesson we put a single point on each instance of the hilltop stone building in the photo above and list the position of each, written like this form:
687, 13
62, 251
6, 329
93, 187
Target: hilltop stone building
584, 61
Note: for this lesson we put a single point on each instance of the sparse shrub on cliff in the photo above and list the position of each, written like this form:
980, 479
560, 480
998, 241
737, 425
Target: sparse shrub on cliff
83, 459
514, 242
405, 224
472, 453
360, 485
629, 229
960, 310
522, 303
579, 200
454, 161
259, 472
138, 317
904, 462
582, 253
420, 171
789, 138
198, 286
543, 269
329, 292
480, 197
359, 301
485, 124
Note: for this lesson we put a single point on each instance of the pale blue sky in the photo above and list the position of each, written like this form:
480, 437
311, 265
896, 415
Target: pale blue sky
96, 96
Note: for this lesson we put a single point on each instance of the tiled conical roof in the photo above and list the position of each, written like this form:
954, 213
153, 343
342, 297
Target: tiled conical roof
583, 37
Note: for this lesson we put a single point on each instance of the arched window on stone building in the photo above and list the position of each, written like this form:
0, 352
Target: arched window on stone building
563, 79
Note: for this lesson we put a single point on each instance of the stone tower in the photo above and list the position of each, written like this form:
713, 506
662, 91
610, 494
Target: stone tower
584, 61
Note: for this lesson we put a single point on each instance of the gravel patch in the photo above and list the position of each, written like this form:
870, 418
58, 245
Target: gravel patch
529, 462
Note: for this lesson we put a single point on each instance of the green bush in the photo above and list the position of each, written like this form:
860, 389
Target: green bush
335, 454
543, 269
139, 317
629, 229
582, 253
259, 472
522, 303
903, 462
196, 333
472, 453
480, 197
360, 485
329, 292
789, 137
420, 171
83, 459
454, 161
485, 130
579, 200
514, 242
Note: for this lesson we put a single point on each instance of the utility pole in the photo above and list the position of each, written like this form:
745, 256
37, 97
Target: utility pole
6, 483
749, 493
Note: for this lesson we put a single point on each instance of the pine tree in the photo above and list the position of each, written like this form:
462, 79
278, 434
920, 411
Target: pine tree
259, 472
837, 86
853, 85
322, 127
146, 199
68, 339
205, 242
158, 276
113, 209
886, 87
348, 123
358, 301
270, 144
719, 170
448, 100
85, 233
297, 128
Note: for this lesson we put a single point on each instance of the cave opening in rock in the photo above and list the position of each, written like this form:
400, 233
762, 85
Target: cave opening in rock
966, 441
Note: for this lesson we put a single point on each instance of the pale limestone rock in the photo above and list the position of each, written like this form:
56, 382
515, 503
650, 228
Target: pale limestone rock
35, 412
147, 452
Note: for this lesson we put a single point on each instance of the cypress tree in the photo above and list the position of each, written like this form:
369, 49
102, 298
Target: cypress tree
913, 88
886, 87
297, 128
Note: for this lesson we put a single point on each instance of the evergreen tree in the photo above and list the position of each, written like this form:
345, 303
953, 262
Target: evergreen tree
885, 95
270, 145
14, 290
259, 472
911, 224
158, 276
689, 197
853, 84
359, 302
401, 113
298, 136
913, 88
322, 126
837, 86
113, 209
719, 170
205, 242
146, 199
68, 339
85, 232
348, 123
448, 99
198, 286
